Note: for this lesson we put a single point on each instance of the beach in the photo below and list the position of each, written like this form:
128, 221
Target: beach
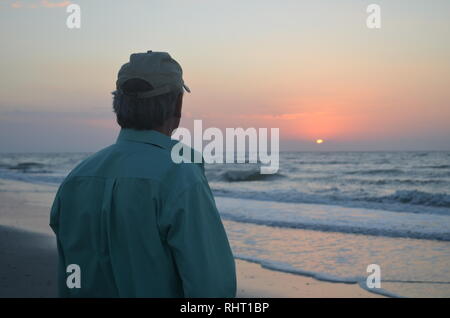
28, 255
311, 230
317, 131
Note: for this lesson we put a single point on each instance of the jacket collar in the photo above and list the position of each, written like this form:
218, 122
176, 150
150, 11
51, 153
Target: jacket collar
146, 136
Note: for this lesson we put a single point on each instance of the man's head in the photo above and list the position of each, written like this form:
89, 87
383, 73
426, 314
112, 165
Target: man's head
149, 92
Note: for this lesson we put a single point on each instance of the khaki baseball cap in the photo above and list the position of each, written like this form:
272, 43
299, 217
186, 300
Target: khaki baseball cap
158, 69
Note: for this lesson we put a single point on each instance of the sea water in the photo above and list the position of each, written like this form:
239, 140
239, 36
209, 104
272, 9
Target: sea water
324, 214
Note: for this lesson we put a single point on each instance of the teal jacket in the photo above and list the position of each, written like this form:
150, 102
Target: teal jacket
139, 225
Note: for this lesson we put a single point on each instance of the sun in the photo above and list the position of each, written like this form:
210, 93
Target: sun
319, 141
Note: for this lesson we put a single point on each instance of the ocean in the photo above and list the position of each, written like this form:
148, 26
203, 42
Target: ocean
324, 214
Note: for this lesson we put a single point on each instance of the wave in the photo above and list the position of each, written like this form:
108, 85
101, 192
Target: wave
350, 229
328, 218
434, 167
35, 176
416, 197
287, 268
391, 171
396, 181
332, 162
410, 201
242, 176
26, 166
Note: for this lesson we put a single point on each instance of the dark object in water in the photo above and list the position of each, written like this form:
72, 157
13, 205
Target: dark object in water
25, 166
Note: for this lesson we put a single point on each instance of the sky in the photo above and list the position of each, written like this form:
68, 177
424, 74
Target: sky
311, 68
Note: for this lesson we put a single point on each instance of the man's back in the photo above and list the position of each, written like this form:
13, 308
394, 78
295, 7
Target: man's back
139, 225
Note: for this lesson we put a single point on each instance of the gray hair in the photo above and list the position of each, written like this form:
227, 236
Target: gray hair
142, 113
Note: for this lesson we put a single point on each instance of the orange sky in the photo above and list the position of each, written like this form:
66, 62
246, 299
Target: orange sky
312, 69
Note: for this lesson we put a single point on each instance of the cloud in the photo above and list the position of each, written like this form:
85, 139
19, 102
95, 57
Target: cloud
39, 4
48, 4
282, 116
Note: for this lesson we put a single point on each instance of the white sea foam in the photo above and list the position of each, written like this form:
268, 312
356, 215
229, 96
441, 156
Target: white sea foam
336, 219
286, 268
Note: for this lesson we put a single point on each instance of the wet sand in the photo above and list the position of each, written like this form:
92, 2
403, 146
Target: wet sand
28, 258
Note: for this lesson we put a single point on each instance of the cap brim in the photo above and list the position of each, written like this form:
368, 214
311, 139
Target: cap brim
186, 88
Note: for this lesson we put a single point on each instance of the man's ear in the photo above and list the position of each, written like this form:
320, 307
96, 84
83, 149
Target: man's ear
178, 106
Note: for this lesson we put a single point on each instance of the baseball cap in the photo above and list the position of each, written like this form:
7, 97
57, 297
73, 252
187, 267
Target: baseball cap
158, 69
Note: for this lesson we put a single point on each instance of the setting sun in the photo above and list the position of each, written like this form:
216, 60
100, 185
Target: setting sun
319, 141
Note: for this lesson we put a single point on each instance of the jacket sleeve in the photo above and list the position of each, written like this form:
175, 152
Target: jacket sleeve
54, 224
199, 244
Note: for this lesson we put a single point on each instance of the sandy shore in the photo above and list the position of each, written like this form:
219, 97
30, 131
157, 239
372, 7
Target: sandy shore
28, 264
28, 258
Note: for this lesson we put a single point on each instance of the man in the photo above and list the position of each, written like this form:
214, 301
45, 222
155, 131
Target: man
136, 223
